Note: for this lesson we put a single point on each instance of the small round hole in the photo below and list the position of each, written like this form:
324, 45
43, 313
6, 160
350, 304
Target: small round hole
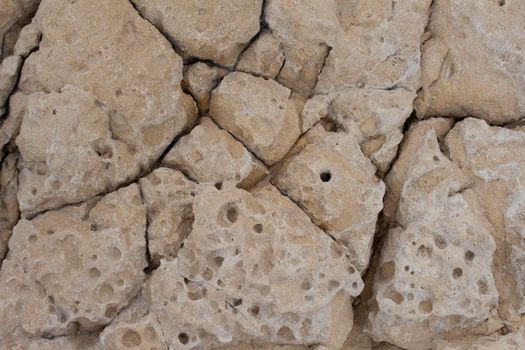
183, 338
258, 228
325, 176
469, 255
232, 215
457, 273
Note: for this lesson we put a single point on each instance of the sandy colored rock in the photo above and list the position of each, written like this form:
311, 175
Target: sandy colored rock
264, 57
374, 44
210, 31
334, 183
168, 196
75, 342
28, 40
143, 334
314, 109
144, 100
258, 112
199, 80
210, 154
9, 212
511, 341
494, 160
9, 69
253, 268
474, 62
88, 259
435, 271
376, 118
14, 14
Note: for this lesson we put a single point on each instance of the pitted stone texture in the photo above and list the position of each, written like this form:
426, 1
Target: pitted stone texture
210, 154
254, 269
376, 118
74, 342
9, 212
511, 341
216, 31
168, 196
126, 65
14, 14
414, 140
435, 268
494, 160
334, 183
258, 112
374, 44
474, 63
88, 258
264, 57
199, 80
141, 334
69, 152
25, 309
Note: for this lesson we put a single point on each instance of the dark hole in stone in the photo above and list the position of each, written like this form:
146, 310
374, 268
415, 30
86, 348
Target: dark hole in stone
218, 185
183, 338
325, 176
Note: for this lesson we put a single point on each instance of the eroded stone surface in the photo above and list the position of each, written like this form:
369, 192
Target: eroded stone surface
253, 268
334, 183
435, 273
168, 196
209, 154
14, 14
200, 79
143, 102
258, 112
205, 30
264, 57
9, 212
87, 260
474, 62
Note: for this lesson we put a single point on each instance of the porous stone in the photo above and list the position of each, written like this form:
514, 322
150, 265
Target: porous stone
334, 183
254, 268
9, 212
375, 117
435, 272
74, 342
142, 334
264, 57
14, 14
494, 160
9, 69
511, 341
205, 30
143, 102
199, 79
168, 196
88, 260
374, 44
210, 154
474, 62
258, 112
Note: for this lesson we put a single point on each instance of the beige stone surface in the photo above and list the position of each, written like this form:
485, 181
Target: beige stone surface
199, 80
474, 62
210, 154
143, 102
262, 174
435, 271
168, 196
258, 112
88, 260
253, 268
334, 183
203, 29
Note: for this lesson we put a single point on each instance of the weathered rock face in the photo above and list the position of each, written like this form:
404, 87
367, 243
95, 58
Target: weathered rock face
254, 267
374, 44
258, 112
494, 160
474, 62
130, 123
435, 267
168, 196
209, 154
85, 261
335, 185
210, 31
262, 175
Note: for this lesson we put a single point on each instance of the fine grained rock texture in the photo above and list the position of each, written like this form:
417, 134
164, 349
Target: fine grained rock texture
262, 174
472, 64
203, 29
